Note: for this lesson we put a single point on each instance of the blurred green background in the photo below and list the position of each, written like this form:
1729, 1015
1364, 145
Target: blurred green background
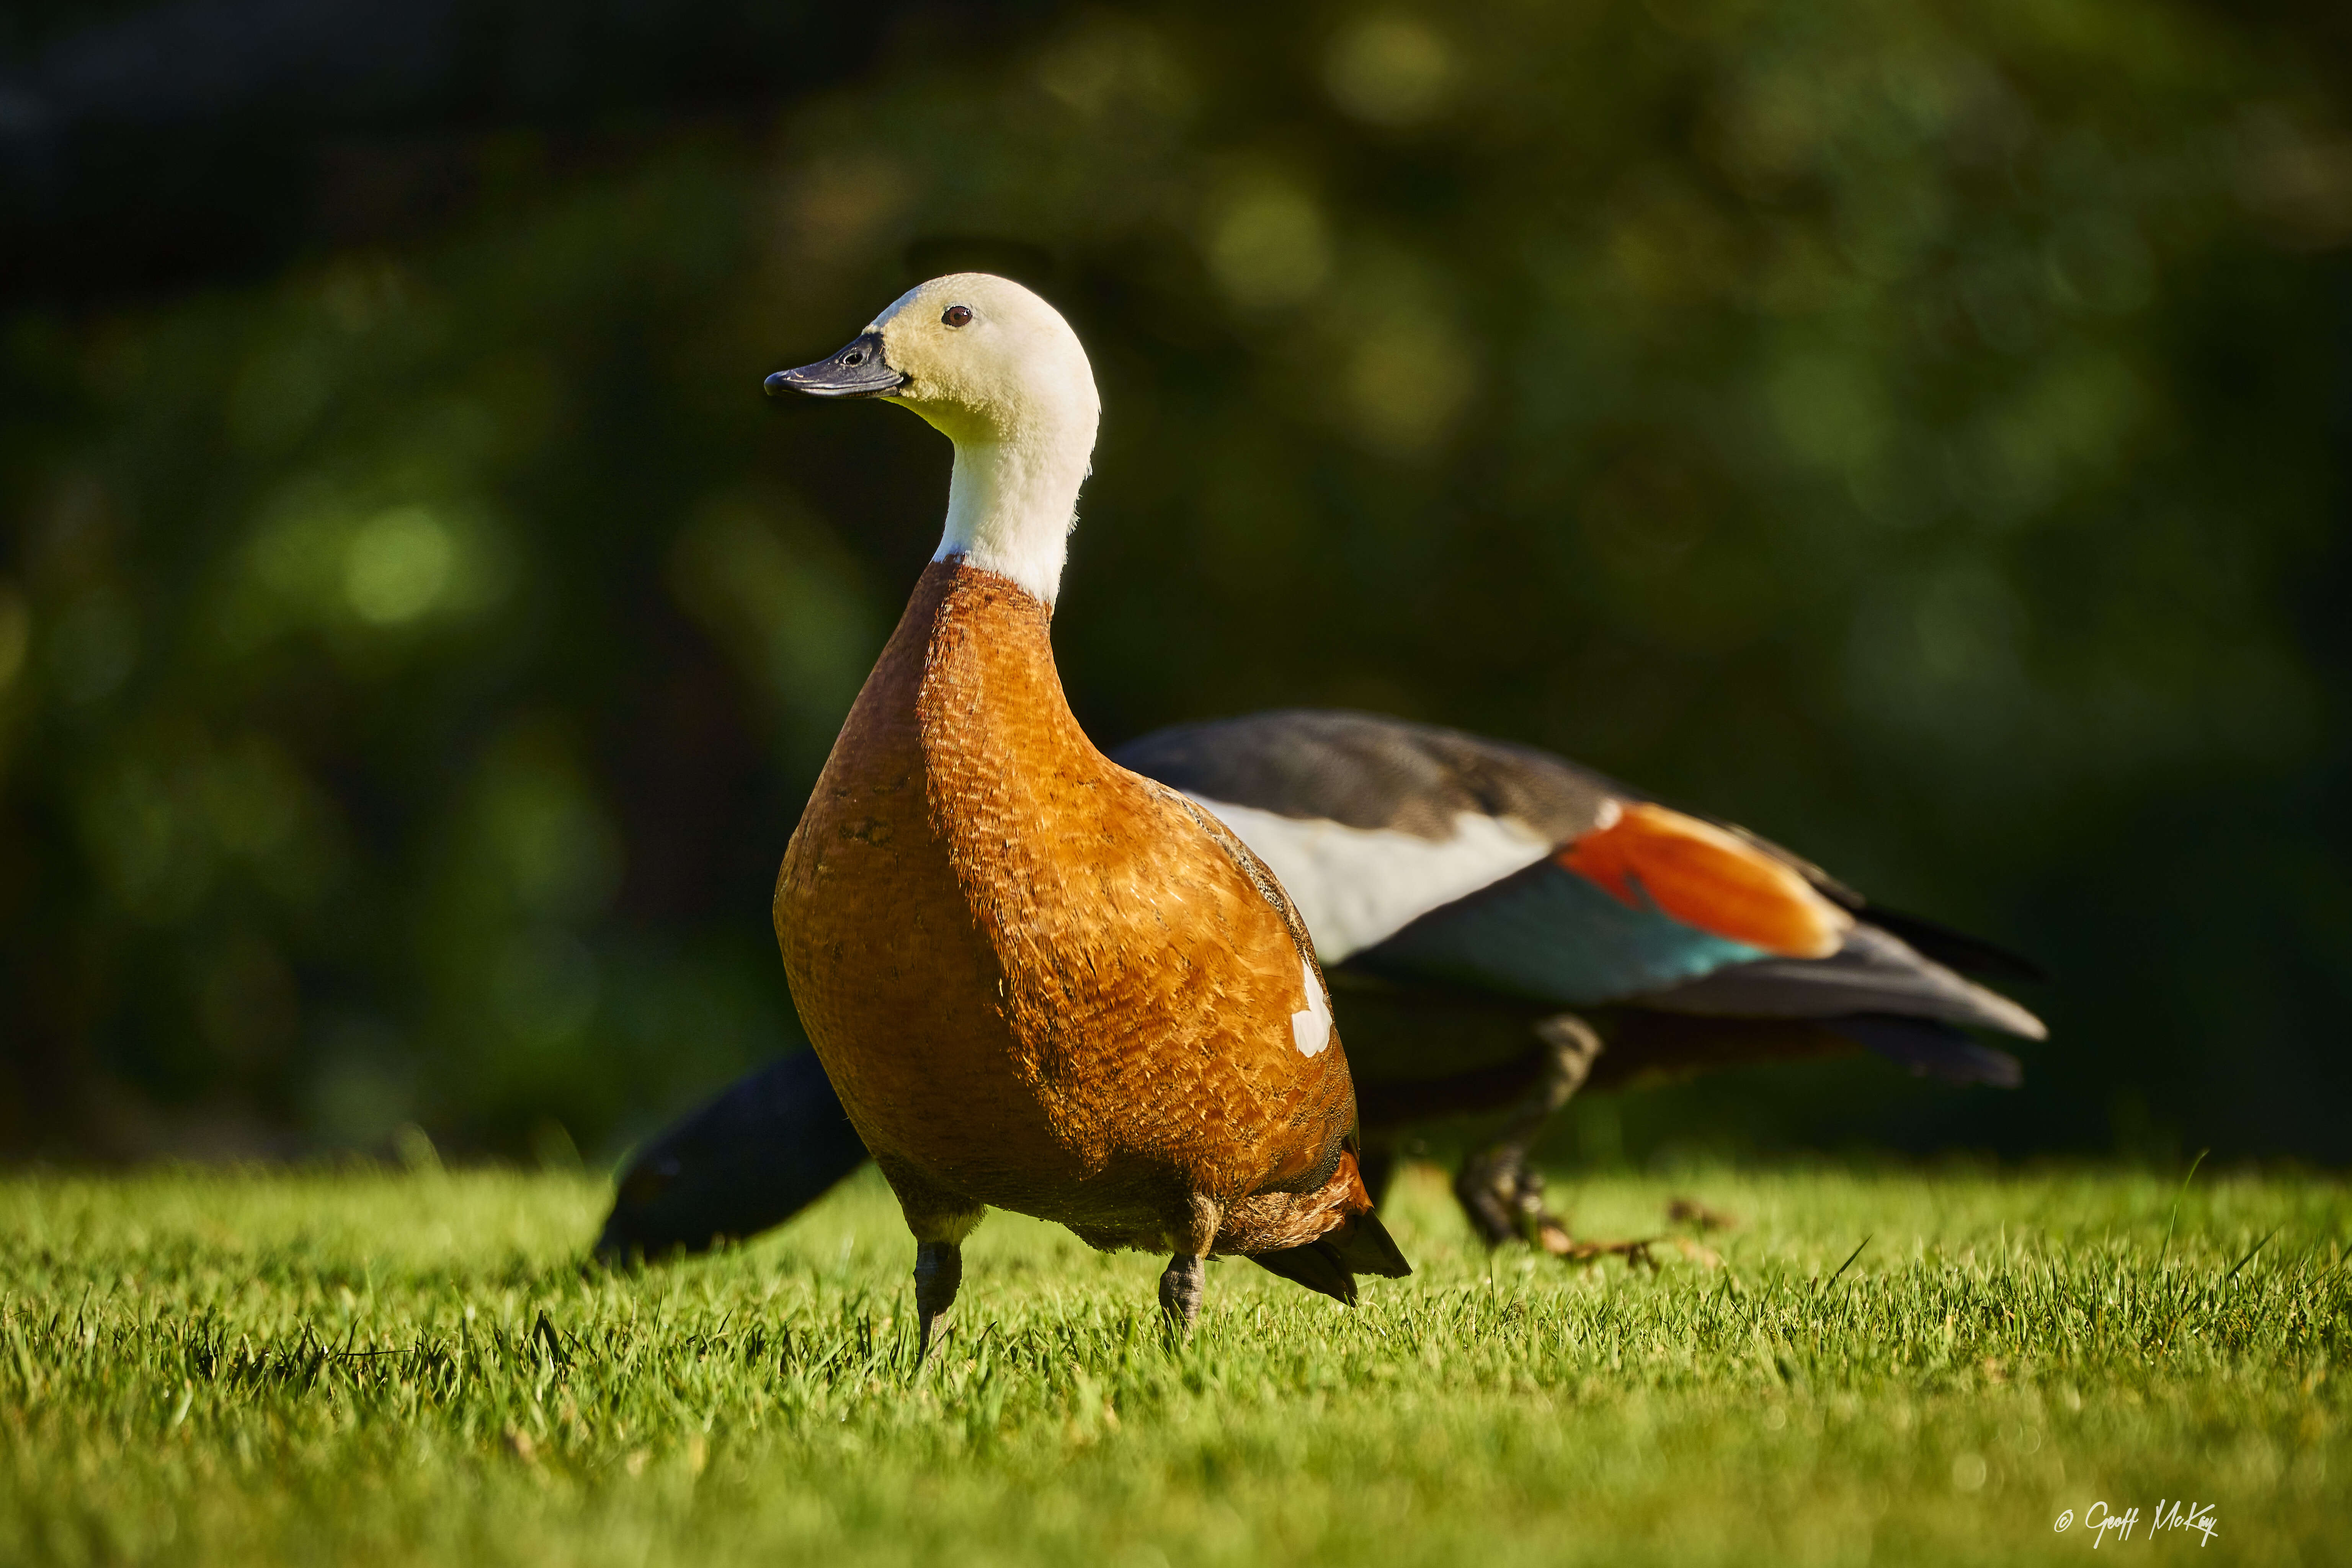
1918, 431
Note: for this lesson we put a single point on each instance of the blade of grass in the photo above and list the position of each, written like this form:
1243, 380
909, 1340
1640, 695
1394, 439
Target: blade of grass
1843, 1267
2166, 1250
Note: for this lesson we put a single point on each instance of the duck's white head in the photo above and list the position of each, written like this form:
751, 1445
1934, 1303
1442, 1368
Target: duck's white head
998, 372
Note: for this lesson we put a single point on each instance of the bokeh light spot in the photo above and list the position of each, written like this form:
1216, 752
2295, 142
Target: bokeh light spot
1390, 70
1268, 246
1406, 383
840, 201
1115, 65
398, 566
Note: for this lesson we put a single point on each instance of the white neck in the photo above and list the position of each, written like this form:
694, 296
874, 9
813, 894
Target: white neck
1011, 504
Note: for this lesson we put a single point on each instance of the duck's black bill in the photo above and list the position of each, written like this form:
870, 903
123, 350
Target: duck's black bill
858, 370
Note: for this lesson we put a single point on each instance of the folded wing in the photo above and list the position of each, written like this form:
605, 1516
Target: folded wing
1428, 857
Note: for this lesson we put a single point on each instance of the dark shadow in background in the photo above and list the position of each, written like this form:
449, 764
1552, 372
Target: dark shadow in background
145, 148
150, 151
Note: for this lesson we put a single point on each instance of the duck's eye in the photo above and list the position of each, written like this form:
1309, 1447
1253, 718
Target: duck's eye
958, 316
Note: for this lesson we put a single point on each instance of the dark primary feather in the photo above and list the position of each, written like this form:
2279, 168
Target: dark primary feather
1930, 1049
1874, 972
1957, 950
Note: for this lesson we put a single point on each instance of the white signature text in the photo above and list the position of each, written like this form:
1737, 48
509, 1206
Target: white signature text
2169, 1513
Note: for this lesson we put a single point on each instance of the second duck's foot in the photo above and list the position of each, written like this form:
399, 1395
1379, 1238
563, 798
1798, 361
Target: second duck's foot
939, 1270
1505, 1202
1181, 1287
1636, 1253
1503, 1196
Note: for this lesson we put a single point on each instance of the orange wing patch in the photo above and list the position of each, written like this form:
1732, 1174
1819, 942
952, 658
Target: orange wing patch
1704, 877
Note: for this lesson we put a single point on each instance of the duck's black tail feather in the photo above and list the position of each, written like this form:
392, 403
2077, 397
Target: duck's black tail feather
1330, 1263
1955, 949
1929, 1049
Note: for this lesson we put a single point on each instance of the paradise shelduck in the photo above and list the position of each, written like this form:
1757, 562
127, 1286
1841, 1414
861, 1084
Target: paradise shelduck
1037, 980
1502, 928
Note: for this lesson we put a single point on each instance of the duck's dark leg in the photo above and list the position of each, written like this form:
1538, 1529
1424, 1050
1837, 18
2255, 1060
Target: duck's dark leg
1181, 1285
1502, 1196
941, 1221
939, 1269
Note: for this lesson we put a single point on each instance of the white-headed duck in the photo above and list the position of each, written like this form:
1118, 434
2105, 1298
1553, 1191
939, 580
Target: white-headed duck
1038, 981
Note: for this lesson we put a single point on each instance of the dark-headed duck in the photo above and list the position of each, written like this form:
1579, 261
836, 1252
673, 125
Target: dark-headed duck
1502, 928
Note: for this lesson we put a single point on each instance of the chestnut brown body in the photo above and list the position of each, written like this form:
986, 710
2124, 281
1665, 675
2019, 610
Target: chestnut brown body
1042, 983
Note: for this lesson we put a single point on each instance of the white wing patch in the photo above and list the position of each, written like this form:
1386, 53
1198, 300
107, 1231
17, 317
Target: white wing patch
1358, 886
1312, 1028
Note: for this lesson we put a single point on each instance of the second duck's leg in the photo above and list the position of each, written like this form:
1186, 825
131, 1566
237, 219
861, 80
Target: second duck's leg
1502, 1196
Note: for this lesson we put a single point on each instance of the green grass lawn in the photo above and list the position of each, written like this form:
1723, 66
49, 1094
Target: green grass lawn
364, 1367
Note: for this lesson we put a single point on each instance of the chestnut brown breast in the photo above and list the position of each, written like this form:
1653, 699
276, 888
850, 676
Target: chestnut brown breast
1041, 981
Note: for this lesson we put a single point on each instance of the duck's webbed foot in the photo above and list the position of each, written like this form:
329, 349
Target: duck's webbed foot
1501, 1195
1635, 1251
939, 1270
1498, 1193
1512, 1201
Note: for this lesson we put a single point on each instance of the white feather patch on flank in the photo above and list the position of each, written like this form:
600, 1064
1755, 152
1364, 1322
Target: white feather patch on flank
1358, 886
1311, 1026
